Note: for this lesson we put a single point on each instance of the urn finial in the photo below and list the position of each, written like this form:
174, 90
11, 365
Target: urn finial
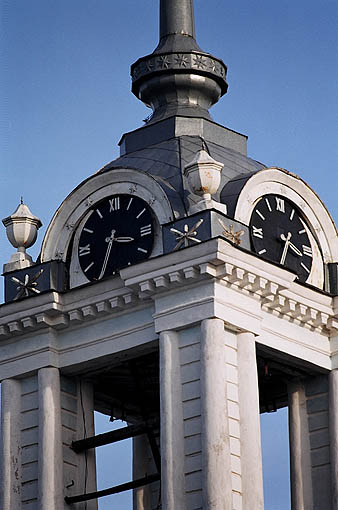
21, 229
203, 174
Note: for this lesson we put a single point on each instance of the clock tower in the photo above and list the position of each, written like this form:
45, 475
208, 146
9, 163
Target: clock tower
184, 288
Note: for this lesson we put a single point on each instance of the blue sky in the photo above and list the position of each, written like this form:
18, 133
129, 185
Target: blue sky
65, 101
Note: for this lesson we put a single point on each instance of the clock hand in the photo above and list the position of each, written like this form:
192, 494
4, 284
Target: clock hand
110, 241
125, 239
295, 249
286, 246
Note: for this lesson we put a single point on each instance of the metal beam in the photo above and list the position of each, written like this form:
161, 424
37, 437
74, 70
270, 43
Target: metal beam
113, 490
112, 437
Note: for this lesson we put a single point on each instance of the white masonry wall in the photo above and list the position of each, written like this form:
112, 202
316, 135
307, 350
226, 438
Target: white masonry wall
309, 425
234, 418
77, 418
317, 406
189, 341
29, 442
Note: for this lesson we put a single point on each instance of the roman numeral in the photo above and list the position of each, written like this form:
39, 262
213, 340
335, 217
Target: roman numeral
257, 232
306, 268
84, 250
280, 204
139, 214
292, 214
99, 213
260, 214
142, 250
129, 203
307, 250
262, 251
146, 230
88, 267
302, 231
268, 204
88, 230
114, 204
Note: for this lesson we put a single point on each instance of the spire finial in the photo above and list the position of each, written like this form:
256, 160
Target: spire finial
177, 17
167, 79
177, 26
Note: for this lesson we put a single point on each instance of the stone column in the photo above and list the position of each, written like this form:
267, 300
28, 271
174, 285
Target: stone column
333, 427
251, 452
50, 443
172, 429
86, 428
216, 464
300, 460
141, 467
10, 454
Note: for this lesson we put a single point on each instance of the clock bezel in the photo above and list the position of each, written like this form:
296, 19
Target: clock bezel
76, 275
84, 222
283, 183
316, 270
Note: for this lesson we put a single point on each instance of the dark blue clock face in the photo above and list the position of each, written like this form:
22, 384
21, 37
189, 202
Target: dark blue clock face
279, 233
119, 232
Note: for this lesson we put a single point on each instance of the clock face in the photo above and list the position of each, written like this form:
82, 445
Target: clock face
279, 233
118, 232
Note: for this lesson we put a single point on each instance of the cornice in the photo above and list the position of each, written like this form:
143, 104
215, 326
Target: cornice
216, 261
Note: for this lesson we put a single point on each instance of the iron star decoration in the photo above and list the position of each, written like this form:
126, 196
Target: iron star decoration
229, 233
27, 286
187, 235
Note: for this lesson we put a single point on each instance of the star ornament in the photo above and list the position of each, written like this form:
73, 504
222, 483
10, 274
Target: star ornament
187, 235
27, 286
229, 233
181, 60
163, 62
199, 62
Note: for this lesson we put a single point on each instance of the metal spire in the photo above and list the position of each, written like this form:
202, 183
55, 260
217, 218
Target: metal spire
177, 17
178, 78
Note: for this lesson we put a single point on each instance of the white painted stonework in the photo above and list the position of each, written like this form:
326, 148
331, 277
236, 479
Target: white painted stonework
204, 308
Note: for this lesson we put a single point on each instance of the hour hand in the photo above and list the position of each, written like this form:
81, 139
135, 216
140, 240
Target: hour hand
285, 238
124, 239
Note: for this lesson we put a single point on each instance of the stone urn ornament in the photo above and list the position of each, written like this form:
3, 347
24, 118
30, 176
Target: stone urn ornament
203, 175
21, 229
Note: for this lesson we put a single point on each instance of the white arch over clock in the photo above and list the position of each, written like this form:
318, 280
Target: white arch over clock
281, 182
75, 207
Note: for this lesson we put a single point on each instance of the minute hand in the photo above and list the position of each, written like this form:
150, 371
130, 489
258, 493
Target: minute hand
110, 241
295, 249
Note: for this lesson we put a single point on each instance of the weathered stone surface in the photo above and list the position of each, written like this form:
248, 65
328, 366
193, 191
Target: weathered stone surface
317, 404
317, 385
